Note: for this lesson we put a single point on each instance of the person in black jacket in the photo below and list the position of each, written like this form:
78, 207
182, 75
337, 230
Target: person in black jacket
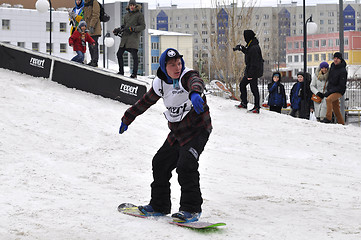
254, 69
336, 88
301, 101
277, 94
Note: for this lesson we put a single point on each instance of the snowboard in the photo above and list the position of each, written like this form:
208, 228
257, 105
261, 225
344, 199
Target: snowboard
132, 210
221, 86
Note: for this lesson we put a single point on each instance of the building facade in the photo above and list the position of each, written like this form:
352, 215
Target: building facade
161, 40
321, 47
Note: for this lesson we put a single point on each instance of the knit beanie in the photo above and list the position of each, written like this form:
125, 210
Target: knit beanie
337, 55
324, 65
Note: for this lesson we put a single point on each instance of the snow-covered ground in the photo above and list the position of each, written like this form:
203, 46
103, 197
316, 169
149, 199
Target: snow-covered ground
64, 169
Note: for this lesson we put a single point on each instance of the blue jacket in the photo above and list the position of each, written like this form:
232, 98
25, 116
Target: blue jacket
277, 95
296, 95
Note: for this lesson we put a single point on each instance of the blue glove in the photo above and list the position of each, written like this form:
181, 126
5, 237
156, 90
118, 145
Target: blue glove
197, 102
123, 128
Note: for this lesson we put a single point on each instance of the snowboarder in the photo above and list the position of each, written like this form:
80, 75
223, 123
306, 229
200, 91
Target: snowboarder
190, 125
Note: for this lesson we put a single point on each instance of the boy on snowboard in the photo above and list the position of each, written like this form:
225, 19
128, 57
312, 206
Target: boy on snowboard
190, 125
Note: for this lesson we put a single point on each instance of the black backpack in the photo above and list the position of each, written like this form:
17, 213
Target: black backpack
102, 16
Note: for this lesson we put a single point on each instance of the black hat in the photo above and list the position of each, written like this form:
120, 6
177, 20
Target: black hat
248, 35
172, 53
301, 73
337, 55
132, 2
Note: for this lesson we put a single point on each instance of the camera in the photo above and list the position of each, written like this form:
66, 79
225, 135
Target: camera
119, 31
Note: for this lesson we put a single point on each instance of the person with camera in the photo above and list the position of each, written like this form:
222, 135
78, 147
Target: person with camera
133, 25
254, 69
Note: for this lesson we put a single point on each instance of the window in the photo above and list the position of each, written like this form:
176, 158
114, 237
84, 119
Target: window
204, 25
297, 45
309, 57
257, 17
63, 47
330, 56
309, 44
178, 25
337, 42
316, 43
296, 58
48, 48
321, 22
331, 29
155, 59
331, 14
21, 44
5, 24
323, 56
35, 47
346, 41
316, 57
62, 27
155, 45
323, 42
331, 21
196, 40
195, 25
48, 26
289, 45
266, 16
345, 55
289, 59
186, 25
330, 42
179, 18
204, 32
204, 40
321, 14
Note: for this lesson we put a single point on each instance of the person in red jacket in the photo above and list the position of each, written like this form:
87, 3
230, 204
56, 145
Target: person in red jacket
78, 41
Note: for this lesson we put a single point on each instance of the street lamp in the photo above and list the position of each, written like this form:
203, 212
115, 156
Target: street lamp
42, 6
108, 42
310, 27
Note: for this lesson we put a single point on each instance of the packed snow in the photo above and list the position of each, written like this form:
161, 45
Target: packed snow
64, 169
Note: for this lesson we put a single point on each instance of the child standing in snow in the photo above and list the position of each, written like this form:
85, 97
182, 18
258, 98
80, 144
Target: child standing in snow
190, 125
78, 41
277, 94
299, 105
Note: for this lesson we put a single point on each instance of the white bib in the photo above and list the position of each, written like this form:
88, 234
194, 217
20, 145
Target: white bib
176, 100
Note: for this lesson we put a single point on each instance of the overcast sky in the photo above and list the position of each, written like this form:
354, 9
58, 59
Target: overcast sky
208, 3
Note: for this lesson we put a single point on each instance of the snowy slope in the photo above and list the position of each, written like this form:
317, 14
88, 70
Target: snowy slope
64, 169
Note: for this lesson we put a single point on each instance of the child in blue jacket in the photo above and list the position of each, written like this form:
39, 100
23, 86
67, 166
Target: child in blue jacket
277, 94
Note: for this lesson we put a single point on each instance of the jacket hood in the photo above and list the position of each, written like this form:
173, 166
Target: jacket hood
137, 8
248, 35
81, 5
279, 74
162, 64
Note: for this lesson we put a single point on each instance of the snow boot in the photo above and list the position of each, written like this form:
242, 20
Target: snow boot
254, 110
148, 211
242, 105
185, 217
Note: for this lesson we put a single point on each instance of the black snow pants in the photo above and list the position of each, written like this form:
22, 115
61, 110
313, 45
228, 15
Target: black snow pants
185, 160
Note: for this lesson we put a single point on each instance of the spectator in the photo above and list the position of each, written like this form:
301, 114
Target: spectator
318, 87
254, 69
336, 88
76, 15
91, 17
133, 25
300, 102
78, 41
277, 94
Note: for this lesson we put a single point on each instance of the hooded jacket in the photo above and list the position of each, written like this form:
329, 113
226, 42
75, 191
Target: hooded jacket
253, 59
134, 24
79, 38
192, 123
277, 93
91, 16
337, 79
